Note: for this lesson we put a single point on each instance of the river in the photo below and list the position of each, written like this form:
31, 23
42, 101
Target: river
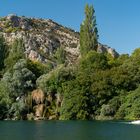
68, 130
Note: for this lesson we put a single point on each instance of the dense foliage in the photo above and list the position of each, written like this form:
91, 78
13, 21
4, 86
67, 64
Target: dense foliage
98, 86
88, 31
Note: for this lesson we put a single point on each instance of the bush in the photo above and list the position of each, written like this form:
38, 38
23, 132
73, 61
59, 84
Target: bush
130, 108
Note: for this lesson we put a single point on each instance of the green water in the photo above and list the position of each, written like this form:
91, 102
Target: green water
68, 130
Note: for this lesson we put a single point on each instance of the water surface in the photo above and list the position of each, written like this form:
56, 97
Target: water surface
68, 130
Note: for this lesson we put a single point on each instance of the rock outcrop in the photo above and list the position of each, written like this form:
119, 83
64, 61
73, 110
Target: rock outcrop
106, 49
42, 38
38, 96
39, 111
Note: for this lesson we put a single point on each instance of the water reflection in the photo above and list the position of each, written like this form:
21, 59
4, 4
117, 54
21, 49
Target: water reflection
68, 130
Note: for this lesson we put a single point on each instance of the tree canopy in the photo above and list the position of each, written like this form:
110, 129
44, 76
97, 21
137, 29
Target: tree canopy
88, 31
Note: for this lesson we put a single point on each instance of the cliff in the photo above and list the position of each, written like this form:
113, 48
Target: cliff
42, 38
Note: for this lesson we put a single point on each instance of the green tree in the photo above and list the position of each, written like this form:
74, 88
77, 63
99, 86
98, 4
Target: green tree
17, 83
22, 77
130, 107
3, 52
16, 52
60, 55
20, 80
88, 31
51, 83
38, 68
5, 100
93, 61
77, 102
18, 110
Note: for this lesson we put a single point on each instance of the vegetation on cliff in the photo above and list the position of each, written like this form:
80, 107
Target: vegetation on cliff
96, 86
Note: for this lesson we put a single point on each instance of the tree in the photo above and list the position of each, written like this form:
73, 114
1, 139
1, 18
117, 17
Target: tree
17, 83
3, 52
16, 52
130, 107
38, 68
52, 82
60, 55
93, 61
20, 80
5, 100
23, 79
76, 103
88, 31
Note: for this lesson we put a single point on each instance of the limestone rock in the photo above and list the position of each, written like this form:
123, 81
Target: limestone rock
38, 96
105, 49
42, 38
30, 116
39, 110
53, 117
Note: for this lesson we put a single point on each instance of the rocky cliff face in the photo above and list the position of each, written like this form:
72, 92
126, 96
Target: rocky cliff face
43, 37
106, 49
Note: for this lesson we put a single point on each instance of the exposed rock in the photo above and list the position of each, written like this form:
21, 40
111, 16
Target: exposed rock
59, 99
38, 96
42, 38
11, 16
20, 22
30, 116
39, 110
105, 49
112, 52
53, 117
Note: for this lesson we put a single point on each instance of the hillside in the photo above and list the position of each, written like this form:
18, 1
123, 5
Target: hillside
42, 38
50, 72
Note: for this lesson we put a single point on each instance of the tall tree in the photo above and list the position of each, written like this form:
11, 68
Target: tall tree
60, 55
16, 53
3, 52
88, 31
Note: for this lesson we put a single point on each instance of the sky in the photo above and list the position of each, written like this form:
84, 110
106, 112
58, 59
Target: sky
118, 21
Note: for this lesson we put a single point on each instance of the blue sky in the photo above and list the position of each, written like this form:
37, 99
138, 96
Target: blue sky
118, 20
